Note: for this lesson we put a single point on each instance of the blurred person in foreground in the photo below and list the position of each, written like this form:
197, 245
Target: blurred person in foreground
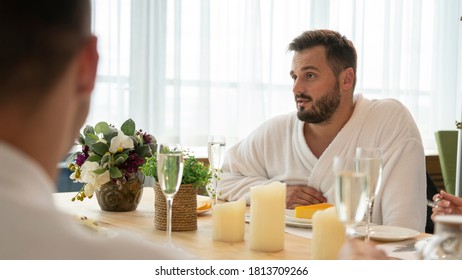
298, 148
48, 63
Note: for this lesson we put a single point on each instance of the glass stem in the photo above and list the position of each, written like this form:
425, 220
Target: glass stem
215, 186
368, 221
169, 220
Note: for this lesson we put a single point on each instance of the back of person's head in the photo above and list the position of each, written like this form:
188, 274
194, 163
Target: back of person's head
38, 41
340, 52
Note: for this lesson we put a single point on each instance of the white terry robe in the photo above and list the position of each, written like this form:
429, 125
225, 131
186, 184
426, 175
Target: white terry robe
33, 228
277, 151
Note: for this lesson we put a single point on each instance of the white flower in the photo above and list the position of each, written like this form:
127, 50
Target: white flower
89, 189
92, 180
72, 176
87, 175
120, 142
103, 178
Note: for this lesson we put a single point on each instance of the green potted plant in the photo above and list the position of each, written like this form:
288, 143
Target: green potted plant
196, 177
195, 172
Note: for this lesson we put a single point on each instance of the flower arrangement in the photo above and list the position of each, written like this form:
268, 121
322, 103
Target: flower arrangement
195, 172
109, 154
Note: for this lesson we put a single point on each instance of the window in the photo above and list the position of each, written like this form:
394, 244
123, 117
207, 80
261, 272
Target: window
185, 69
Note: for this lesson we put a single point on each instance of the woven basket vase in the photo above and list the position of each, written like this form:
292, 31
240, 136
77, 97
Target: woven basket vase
184, 215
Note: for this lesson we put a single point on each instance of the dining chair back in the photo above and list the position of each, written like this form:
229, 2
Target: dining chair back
446, 141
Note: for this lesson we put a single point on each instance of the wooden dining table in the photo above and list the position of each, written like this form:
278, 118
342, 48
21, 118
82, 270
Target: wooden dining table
197, 242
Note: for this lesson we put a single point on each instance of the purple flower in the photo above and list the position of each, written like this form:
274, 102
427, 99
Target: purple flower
85, 149
147, 138
81, 158
132, 164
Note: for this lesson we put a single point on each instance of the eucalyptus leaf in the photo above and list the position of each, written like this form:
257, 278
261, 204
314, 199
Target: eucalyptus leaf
113, 133
135, 141
94, 158
81, 140
143, 151
128, 127
102, 127
90, 139
100, 148
88, 130
106, 158
99, 171
120, 158
114, 172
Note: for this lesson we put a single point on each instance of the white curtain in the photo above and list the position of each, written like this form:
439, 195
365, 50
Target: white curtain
112, 96
184, 69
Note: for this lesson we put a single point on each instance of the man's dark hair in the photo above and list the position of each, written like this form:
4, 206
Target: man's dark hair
340, 52
38, 40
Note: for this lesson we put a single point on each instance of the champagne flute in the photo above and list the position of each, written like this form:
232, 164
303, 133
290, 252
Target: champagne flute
369, 160
216, 152
350, 193
169, 171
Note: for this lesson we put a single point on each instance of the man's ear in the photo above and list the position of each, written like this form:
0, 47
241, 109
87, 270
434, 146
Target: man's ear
347, 79
88, 66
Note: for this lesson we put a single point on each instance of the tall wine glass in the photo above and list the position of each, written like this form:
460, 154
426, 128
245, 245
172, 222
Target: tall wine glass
350, 193
169, 171
216, 152
369, 160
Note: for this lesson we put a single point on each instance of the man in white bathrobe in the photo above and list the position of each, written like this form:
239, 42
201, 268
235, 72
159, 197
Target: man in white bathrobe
298, 148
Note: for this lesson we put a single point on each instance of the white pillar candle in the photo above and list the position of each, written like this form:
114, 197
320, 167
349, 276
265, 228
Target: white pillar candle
328, 235
228, 221
267, 220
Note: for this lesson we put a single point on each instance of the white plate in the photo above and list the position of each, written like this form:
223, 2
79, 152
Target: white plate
300, 225
388, 233
291, 220
200, 202
200, 212
298, 220
288, 222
